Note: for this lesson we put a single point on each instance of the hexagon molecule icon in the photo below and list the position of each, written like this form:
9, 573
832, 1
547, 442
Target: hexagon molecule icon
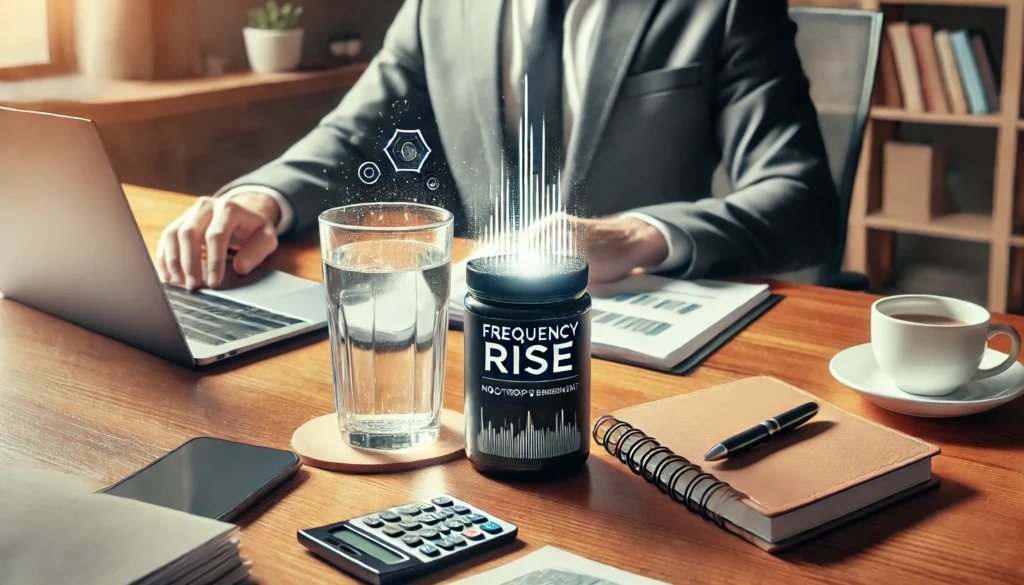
407, 151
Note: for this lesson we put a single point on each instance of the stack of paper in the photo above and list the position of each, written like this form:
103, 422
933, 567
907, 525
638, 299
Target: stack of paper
54, 530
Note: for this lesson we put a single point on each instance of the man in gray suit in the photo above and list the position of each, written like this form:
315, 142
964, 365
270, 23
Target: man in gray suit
655, 94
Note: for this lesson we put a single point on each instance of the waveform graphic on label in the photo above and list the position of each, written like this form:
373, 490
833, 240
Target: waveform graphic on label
529, 442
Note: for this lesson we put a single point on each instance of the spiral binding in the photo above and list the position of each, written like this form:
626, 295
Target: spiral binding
638, 451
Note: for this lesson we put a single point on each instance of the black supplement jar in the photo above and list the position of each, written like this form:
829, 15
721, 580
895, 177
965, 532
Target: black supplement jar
527, 352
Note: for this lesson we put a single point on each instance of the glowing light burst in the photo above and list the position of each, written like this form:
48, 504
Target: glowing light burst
529, 222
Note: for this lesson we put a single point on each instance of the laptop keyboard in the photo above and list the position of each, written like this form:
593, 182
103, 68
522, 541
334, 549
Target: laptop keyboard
216, 321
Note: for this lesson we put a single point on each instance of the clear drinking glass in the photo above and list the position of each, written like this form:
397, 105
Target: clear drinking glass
387, 273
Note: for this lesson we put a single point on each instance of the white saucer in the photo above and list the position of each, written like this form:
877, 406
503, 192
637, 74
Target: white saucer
856, 368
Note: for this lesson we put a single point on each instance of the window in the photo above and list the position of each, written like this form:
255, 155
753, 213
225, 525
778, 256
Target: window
25, 39
33, 37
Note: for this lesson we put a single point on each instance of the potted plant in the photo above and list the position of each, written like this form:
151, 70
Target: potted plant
273, 39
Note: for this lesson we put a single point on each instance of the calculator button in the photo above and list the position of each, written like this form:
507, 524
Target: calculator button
429, 519
476, 518
443, 501
426, 507
444, 514
473, 533
461, 509
409, 525
412, 540
454, 524
410, 510
443, 529
392, 531
429, 550
389, 516
430, 533
458, 540
491, 527
446, 543
373, 521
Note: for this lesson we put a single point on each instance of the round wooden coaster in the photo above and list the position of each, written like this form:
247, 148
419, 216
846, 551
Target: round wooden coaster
319, 443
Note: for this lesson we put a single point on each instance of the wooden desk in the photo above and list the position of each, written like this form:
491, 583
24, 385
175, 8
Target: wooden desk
75, 401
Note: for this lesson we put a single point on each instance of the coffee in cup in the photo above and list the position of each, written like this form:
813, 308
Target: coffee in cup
931, 345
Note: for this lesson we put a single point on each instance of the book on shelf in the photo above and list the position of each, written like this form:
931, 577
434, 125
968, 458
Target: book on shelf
906, 66
989, 80
970, 74
649, 320
923, 38
950, 74
888, 94
827, 472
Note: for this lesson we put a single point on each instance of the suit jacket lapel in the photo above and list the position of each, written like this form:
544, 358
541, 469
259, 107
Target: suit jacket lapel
618, 37
484, 35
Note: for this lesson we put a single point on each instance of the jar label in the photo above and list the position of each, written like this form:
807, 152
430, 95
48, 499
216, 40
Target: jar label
527, 387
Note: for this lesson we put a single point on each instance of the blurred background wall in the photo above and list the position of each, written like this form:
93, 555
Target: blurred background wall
199, 152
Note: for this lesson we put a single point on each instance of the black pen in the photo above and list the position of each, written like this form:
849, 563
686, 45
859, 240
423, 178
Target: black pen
763, 432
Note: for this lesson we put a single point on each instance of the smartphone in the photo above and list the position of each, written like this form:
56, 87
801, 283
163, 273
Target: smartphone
209, 477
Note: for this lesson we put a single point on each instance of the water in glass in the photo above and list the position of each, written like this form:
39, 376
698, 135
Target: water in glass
388, 317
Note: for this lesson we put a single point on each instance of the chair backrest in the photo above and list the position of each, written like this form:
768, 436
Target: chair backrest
839, 52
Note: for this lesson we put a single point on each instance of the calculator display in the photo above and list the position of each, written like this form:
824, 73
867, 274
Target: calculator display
367, 546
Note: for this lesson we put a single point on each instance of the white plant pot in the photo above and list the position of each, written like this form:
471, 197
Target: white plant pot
273, 51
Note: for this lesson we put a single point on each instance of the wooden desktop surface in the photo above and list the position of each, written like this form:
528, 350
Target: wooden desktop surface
75, 401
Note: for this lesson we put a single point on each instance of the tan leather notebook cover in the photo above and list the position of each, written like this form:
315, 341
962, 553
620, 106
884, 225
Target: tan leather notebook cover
833, 451
906, 66
928, 65
950, 73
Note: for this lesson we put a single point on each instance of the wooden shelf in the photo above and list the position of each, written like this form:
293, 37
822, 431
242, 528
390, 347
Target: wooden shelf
1017, 240
901, 115
968, 3
111, 102
957, 226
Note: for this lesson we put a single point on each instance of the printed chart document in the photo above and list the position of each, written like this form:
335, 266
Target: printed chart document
651, 320
554, 566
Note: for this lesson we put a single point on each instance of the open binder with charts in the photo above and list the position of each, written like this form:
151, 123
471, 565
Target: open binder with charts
654, 321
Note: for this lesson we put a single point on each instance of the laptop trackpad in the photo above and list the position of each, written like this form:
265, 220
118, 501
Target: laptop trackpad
277, 291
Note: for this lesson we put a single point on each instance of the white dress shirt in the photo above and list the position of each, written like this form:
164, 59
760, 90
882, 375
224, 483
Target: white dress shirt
581, 21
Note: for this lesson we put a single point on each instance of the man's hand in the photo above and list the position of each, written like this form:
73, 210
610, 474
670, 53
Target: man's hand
616, 246
244, 223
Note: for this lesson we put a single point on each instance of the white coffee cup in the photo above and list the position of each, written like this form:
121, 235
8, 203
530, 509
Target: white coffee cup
933, 359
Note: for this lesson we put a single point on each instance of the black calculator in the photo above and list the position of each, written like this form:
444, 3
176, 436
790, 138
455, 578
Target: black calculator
405, 542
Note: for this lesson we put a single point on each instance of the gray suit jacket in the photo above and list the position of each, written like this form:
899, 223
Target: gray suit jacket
676, 87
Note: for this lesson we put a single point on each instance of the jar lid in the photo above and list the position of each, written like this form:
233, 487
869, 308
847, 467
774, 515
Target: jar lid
527, 279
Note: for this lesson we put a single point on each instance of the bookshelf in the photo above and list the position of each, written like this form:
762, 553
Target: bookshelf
901, 115
972, 227
871, 236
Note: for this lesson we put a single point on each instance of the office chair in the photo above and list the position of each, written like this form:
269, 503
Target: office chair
839, 52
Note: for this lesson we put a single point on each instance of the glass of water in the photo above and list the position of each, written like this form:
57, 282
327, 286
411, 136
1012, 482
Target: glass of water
387, 270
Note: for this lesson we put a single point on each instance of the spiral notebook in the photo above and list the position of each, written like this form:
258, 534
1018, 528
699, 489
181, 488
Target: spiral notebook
826, 472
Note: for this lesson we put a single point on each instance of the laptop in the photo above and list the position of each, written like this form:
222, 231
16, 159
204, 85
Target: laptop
70, 247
